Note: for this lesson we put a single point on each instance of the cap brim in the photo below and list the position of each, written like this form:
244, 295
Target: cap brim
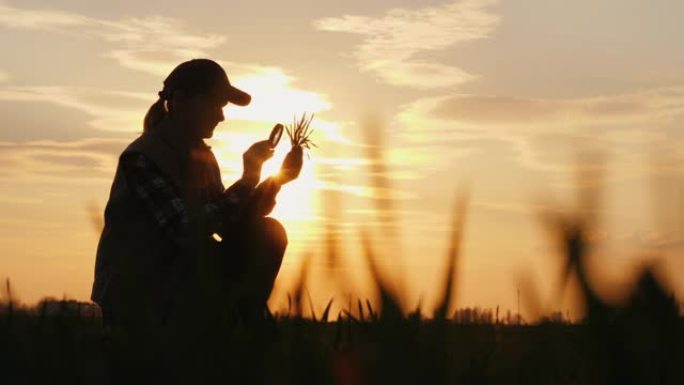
237, 96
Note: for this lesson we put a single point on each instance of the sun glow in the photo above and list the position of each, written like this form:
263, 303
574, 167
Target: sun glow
274, 99
298, 203
229, 147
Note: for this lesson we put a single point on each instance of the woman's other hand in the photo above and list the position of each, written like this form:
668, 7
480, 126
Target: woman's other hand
292, 165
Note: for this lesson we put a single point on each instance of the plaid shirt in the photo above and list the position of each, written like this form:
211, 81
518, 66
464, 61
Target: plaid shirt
169, 210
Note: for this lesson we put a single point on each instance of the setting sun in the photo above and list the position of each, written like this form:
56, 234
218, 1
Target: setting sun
298, 203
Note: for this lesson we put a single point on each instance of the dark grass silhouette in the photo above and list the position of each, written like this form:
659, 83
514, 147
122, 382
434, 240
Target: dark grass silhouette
638, 342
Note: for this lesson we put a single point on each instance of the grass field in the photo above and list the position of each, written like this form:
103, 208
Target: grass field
639, 341
63, 342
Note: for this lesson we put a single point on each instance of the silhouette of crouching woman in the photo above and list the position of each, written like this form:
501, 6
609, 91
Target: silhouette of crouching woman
167, 201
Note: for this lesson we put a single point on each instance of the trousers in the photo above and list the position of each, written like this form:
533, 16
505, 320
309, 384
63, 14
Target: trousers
244, 266
251, 259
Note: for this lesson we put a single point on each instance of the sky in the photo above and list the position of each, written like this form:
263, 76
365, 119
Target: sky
522, 107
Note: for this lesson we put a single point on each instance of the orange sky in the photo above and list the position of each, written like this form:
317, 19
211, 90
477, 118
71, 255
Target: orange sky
507, 98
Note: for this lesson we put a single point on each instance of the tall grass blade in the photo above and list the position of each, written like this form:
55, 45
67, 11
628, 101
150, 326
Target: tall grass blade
96, 217
390, 303
326, 311
452, 256
360, 306
371, 313
298, 294
311, 306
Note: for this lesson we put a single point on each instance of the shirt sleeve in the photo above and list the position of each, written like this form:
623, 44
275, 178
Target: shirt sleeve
229, 208
262, 201
170, 212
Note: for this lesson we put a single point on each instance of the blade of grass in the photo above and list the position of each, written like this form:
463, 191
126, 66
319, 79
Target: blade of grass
452, 256
326, 311
311, 306
390, 303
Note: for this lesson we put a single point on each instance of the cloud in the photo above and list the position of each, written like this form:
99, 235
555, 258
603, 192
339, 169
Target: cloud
95, 146
623, 117
366, 191
392, 43
549, 134
155, 45
274, 99
41, 161
152, 44
18, 18
110, 110
636, 107
422, 75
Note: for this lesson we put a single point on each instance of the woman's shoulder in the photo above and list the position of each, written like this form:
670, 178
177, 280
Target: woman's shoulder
155, 150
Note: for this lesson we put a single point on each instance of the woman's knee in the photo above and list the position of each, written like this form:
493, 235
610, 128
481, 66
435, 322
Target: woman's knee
268, 232
273, 230
265, 250
264, 242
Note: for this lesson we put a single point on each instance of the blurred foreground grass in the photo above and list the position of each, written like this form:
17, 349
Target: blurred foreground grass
64, 342
638, 341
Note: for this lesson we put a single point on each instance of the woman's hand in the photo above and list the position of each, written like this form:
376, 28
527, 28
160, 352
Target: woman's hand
254, 158
292, 165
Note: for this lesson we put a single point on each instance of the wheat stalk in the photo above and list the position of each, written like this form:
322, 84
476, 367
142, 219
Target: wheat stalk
300, 133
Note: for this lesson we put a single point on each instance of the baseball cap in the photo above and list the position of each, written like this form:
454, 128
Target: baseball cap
201, 75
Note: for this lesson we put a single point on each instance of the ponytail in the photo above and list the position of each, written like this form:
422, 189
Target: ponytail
154, 115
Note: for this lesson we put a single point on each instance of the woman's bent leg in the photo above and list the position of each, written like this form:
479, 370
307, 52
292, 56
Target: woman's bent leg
257, 255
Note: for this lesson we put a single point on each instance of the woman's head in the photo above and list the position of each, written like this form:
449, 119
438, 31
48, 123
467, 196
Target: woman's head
194, 95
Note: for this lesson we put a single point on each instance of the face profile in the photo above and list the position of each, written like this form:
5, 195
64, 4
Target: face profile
203, 113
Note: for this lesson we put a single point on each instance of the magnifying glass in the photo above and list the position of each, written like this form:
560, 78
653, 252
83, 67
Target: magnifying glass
276, 134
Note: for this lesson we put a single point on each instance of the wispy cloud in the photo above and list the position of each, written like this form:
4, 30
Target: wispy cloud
155, 45
635, 107
392, 43
51, 161
150, 44
109, 110
14, 17
124, 111
543, 132
275, 98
